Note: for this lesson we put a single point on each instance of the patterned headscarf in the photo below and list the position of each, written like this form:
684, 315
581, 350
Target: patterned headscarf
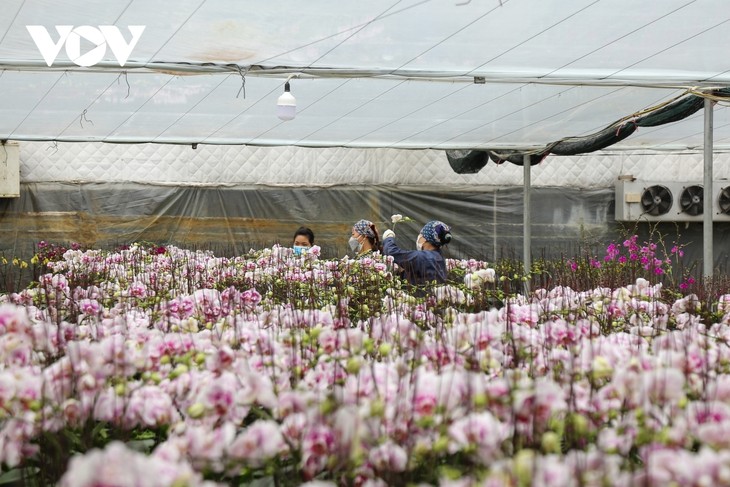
363, 228
434, 231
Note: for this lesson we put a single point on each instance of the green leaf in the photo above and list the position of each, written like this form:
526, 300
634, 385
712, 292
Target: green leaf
145, 435
20, 476
263, 482
142, 446
11, 476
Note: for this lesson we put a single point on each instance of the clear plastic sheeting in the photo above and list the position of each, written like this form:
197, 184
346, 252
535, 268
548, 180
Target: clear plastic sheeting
493, 74
234, 198
486, 224
147, 107
234, 219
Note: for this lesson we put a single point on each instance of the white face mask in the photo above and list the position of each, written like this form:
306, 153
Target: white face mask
355, 245
419, 243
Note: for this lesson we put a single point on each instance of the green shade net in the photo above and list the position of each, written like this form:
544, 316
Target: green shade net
472, 161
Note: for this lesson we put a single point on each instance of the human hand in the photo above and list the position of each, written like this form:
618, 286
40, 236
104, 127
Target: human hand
388, 233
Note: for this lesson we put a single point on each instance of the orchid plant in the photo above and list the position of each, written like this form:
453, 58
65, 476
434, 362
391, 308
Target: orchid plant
161, 366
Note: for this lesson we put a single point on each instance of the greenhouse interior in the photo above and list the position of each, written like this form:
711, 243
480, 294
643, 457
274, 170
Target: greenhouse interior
564, 165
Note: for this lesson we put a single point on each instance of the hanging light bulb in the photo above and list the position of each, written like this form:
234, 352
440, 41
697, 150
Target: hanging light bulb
286, 105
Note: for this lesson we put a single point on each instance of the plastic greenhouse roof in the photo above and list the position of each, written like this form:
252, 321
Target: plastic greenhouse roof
459, 74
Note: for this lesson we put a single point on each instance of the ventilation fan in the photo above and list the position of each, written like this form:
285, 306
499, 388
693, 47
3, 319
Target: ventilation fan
723, 200
671, 201
691, 200
656, 200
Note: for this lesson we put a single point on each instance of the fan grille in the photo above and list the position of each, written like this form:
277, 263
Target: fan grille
724, 200
691, 200
656, 200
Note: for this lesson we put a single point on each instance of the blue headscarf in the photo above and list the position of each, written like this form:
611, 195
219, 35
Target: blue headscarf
436, 233
363, 228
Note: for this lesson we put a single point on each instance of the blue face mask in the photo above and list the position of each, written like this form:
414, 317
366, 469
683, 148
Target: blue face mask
299, 250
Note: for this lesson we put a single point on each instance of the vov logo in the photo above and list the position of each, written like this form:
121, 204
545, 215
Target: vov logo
101, 37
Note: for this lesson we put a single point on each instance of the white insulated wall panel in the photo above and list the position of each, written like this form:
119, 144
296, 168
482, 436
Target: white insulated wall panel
299, 166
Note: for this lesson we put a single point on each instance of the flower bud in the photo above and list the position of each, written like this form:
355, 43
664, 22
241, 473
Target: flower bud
550, 442
377, 408
523, 466
353, 365
196, 410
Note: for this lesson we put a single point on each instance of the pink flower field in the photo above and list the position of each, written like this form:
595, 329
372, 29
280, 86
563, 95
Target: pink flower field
157, 366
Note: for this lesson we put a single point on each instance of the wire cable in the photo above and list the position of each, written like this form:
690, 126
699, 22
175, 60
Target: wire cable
37, 104
668, 48
146, 65
523, 127
621, 37
209, 93
123, 11
88, 107
461, 29
357, 31
356, 27
10, 26
341, 85
138, 109
532, 37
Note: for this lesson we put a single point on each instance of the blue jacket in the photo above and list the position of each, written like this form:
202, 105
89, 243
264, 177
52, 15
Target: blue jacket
420, 266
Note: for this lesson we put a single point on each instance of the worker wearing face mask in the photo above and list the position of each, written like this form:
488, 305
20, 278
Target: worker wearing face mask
303, 240
426, 264
364, 239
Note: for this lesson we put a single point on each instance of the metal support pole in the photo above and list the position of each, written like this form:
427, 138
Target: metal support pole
707, 241
494, 225
526, 214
